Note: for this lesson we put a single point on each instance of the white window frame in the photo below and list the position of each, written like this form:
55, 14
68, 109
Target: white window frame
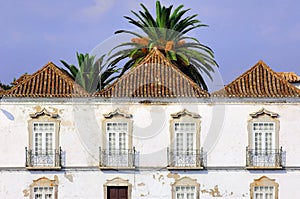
264, 192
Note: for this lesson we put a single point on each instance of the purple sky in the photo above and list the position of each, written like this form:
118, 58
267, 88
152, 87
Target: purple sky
240, 32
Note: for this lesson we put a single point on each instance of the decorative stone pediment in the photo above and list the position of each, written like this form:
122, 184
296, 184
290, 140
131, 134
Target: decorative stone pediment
263, 111
186, 181
45, 182
117, 112
117, 181
185, 112
42, 112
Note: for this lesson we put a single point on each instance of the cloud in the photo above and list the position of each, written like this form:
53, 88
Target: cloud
98, 8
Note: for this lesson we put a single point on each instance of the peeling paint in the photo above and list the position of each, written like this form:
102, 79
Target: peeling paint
56, 179
175, 176
213, 192
26, 192
69, 176
141, 184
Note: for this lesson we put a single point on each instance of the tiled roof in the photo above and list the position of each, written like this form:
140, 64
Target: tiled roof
154, 77
260, 81
49, 81
290, 76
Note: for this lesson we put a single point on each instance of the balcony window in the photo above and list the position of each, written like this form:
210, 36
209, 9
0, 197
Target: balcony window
117, 150
263, 151
185, 152
43, 150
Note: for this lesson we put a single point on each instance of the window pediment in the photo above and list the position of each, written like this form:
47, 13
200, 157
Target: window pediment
45, 182
43, 112
263, 111
117, 112
183, 113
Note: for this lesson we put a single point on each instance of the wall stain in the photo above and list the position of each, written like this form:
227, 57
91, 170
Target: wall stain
141, 184
69, 176
213, 192
26, 192
175, 176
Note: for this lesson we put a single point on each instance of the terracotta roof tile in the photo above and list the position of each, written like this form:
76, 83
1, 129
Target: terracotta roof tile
49, 81
260, 81
154, 77
289, 76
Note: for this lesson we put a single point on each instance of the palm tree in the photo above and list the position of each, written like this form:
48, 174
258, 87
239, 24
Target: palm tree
167, 32
91, 74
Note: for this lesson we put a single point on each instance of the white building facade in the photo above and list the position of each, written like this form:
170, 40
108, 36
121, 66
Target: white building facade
165, 138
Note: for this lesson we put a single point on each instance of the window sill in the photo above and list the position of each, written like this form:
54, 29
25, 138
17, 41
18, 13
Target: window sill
264, 167
185, 168
115, 168
43, 168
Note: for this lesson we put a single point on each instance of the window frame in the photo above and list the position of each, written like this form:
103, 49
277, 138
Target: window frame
44, 116
264, 181
118, 116
186, 182
44, 183
184, 117
263, 116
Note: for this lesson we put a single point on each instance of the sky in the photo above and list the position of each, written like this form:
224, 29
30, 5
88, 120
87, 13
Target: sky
34, 32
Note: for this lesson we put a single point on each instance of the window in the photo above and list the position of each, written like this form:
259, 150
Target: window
43, 150
263, 192
185, 192
43, 193
44, 188
117, 150
185, 188
264, 188
185, 150
263, 150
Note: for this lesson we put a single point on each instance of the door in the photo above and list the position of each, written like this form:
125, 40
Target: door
117, 192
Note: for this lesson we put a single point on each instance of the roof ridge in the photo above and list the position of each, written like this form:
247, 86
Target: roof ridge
58, 71
152, 54
245, 75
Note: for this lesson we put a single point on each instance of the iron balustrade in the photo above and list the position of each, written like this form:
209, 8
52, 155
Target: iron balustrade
118, 158
43, 158
186, 158
264, 158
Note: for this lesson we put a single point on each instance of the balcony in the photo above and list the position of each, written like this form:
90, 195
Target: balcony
43, 159
186, 159
264, 159
117, 159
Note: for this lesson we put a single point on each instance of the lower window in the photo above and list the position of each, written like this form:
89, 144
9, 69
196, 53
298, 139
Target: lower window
264, 192
185, 192
43, 193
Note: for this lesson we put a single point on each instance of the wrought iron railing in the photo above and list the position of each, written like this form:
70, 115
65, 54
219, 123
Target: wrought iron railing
264, 158
117, 158
186, 158
43, 158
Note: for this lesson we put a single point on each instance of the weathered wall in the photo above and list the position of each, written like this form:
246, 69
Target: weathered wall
223, 135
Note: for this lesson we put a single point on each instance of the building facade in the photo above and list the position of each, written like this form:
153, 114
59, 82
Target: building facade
152, 134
